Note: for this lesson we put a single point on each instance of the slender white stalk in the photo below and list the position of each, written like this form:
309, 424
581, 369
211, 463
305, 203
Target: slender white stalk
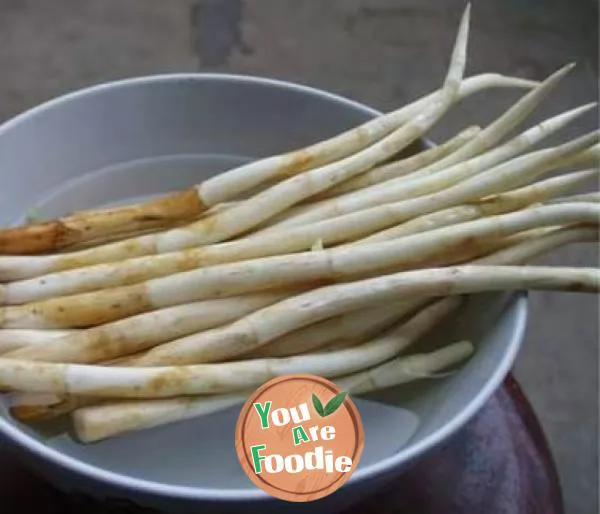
108, 420
584, 197
416, 185
494, 133
13, 339
292, 191
99, 422
349, 328
251, 213
230, 185
131, 335
349, 227
279, 271
402, 167
132, 271
407, 369
526, 247
267, 324
105, 225
353, 327
587, 158
413, 249
113, 382
527, 250
518, 248
498, 204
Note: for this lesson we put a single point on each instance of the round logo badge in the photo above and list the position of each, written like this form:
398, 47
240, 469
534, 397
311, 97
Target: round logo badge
299, 437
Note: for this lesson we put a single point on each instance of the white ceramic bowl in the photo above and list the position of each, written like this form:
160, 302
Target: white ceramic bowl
141, 137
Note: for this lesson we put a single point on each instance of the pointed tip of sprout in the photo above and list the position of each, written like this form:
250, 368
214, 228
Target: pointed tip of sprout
458, 57
565, 69
589, 105
466, 17
568, 116
557, 76
463, 30
579, 111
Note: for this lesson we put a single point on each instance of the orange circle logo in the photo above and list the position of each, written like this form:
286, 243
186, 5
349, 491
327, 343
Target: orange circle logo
299, 438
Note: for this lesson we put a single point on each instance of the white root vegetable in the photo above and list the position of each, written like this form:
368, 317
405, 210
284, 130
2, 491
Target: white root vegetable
100, 422
189, 204
588, 158
530, 248
227, 186
137, 333
425, 181
538, 192
332, 231
406, 369
114, 382
501, 178
97, 226
330, 260
469, 172
352, 327
501, 127
360, 325
131, 271
584, 197
518, 248
265, 325
271, 322
402, 167
12, 268
337, 332
280, 271
13, 339
525, 247
230, 185
251, 213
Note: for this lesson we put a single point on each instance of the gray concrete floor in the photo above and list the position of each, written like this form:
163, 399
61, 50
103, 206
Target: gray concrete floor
381, 52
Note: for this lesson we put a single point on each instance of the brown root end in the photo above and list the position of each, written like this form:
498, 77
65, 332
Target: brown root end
39, 238
99, 225
163, 212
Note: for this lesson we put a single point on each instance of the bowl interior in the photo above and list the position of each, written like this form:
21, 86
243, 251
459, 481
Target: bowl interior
144, 137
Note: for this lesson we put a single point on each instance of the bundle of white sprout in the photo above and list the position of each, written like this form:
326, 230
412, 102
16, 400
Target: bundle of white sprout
340, 260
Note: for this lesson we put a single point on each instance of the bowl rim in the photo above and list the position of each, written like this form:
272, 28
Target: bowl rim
138, 485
